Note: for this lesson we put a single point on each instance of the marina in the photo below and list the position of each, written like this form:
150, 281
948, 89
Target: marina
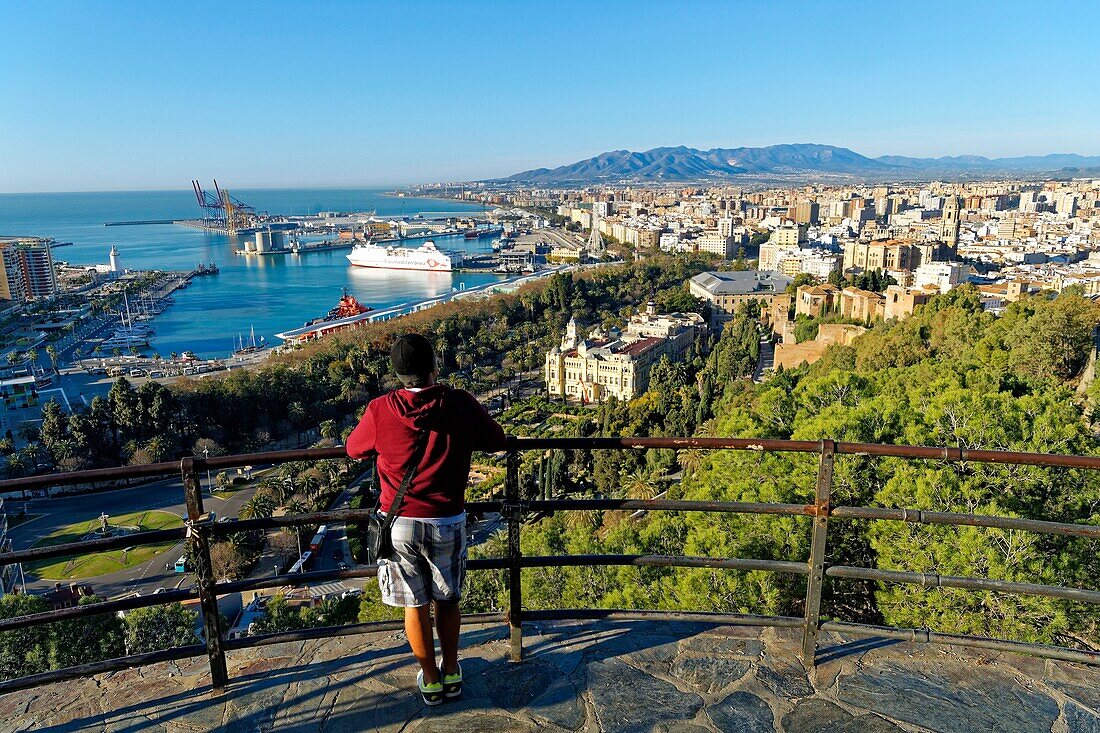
269, 294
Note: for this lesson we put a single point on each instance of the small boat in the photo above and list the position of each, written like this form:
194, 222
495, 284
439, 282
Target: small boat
252, 347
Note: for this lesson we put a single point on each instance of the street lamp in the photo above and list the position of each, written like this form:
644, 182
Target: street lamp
206, 456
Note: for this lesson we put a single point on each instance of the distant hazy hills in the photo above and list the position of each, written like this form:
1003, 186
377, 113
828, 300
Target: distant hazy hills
688, 164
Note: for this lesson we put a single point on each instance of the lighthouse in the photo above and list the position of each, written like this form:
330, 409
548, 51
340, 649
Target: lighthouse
114, 259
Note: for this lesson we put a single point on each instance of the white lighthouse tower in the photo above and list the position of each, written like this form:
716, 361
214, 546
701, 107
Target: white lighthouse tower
114, 260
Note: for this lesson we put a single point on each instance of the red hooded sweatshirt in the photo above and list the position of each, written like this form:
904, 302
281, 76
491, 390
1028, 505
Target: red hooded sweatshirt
457, 425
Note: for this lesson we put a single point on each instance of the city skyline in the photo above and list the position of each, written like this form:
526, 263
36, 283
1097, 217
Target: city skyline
342, 94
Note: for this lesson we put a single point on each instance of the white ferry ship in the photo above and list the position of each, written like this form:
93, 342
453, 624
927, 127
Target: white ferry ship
425, 257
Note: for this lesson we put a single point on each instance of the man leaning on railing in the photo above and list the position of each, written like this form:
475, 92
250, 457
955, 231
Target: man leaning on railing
423, 435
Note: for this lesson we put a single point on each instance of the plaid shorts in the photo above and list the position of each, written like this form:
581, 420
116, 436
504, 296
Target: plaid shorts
428, 563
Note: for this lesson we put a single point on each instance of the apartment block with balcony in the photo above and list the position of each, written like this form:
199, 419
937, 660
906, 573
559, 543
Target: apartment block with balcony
27, 271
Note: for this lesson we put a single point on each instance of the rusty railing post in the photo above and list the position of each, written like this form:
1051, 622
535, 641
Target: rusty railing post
816, 579
514, 511
199, 540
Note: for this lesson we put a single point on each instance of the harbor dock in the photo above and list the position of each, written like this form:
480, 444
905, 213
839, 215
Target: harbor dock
307, 333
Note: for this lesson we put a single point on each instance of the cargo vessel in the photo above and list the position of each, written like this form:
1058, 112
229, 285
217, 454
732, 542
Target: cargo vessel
426, 257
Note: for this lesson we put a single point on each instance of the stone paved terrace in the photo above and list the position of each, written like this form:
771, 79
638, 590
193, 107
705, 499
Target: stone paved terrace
585, 676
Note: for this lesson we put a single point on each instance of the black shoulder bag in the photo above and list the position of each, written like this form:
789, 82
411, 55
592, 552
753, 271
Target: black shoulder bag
379, 545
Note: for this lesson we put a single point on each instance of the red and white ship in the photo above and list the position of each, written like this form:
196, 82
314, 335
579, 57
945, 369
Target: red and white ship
426, 257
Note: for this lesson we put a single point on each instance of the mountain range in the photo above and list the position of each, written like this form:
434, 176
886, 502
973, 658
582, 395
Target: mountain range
690, 164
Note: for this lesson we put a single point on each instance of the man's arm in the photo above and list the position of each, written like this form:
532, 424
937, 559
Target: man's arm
361, 442
485, 433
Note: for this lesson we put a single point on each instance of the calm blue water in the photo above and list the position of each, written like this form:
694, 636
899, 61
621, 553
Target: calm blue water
271, 294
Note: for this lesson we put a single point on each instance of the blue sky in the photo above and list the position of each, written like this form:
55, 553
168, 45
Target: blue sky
102, 95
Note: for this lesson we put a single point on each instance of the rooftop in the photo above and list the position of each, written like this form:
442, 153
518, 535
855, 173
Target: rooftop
603, 676
743, 282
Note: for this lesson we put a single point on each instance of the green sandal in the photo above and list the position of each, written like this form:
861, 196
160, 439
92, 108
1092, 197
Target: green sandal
431, 694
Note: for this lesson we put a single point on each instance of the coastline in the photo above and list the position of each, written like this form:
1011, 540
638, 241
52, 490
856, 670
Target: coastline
395, 195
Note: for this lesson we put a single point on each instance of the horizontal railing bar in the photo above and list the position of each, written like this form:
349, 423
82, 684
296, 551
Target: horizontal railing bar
321, 632
926, 636
93, 475
934, 580
752, 444
941, 453
87, 547
592, 614
170, 468
367, 571
922, 516
167, 468
97, 609
672, 561
177, 595
740, 507
275, 457
107, 665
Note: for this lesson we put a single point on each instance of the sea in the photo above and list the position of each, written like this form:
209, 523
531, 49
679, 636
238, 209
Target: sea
250, 295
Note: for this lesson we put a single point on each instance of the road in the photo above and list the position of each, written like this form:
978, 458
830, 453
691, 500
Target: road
766, 362
164, 495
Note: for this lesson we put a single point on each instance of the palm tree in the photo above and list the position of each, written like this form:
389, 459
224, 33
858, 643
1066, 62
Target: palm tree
639, 485
51, 351
312, 486
17, 464
584, 519
27, 432
329, 429
259, 506
690, 460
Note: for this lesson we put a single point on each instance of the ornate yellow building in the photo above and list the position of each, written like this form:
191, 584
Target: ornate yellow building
600, 365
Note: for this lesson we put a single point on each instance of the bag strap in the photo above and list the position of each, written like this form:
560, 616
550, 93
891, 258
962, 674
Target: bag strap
410, 472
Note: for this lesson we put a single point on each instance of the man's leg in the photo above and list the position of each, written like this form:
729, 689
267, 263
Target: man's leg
448, 620
418, 628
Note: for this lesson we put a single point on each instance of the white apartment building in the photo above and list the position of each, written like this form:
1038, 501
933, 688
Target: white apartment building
713, 242
943, 275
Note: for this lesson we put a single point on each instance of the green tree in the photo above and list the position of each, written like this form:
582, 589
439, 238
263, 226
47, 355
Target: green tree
55, 358
84, 640
23, 651
160, 627
125, 408
1056, 339
330, 430
279, 616
258, 506
54, 428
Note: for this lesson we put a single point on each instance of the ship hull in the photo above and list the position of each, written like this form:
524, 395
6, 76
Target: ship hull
400, 267
424, 259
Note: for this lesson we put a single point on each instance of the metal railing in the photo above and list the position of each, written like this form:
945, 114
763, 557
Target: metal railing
514, 508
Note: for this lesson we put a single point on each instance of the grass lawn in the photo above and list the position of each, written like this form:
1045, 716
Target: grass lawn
101, 563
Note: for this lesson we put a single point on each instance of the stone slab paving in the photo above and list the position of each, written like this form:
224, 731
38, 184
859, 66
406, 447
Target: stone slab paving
666, 677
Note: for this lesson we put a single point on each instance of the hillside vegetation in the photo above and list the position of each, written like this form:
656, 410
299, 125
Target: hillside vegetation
950, 375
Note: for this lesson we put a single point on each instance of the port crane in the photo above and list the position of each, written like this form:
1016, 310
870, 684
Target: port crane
220, 210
